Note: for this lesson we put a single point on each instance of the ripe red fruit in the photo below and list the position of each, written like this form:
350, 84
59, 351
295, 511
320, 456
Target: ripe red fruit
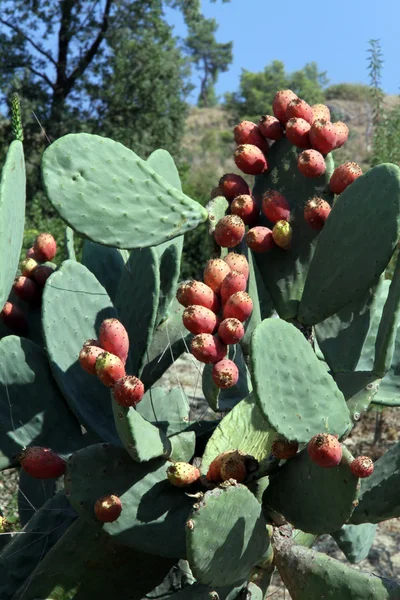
14, 318
214, 470
311, 163
362, 467
113, 337
215, 272
109, 368
42, 273
88, 356
233, 467
42, 463
45, 247
316, 212
238, 306
182, 474
323, 136
299, 109
246, 208
128, 391
275, 206
230, 331
248, 132
325, 450
198, 319
233, 282
225, 373
260, 239
107, 508
283, 449
343, 176
342, 133
238, 262
280, 103
28, 267
297, 132
197, 292
30, 253
321, 111
232, 185
250, 159
27, 290
270, 127
229, 231
208, 348
282, 234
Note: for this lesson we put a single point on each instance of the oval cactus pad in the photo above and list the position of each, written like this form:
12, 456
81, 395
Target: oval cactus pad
105, 192
291, 386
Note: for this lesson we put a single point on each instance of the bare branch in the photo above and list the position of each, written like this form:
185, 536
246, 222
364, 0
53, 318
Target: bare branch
39, 74
28, 39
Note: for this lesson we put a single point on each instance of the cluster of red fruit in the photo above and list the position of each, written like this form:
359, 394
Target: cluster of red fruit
306, 127
106, 358
29, 285
215, 311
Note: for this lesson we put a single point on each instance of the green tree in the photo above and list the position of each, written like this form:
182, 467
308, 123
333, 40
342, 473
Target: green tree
257, 90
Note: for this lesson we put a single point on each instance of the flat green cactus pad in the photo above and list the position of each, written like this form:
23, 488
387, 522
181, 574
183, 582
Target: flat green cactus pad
226, 536
291, 386
355, 541
105, 192
343, 266
359, 389
12, 216
313, 487
154, 512
169, 410
106, 263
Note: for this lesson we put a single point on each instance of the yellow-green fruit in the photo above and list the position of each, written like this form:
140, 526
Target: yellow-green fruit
282, 234
182, 474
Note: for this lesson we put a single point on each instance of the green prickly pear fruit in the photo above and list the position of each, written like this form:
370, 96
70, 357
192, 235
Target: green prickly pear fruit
182, 474
362, 467
113, 337
109, 368
108, 508
282, 234
28, 267
325, 450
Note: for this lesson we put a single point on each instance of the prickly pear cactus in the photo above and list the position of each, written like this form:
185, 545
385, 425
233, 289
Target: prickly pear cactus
297, 332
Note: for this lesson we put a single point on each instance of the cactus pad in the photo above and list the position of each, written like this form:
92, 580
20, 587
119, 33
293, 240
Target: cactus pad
106, 263
355, 541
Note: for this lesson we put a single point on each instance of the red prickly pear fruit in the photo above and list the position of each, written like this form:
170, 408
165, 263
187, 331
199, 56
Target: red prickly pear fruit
233, 282
259, 239
246, 208
30, 253
270, 127
14, 318
282, 234
107, 508
109, 368
45, 247
233, 185
299, 109
250, 159
233, 467
128, 391
198, 319
214, 469
27, 290
342, 133
248, 132
323, 136
225, 373
197, 292
343, 176
42, 463
311, 163
215, 272
362, 467
275, 206
215, 192
42, 273
297, 132
280, 103
325, 450
283, 449
238, 262
229, 231
182, 474
230, 331
113, 337
208, 348
316, 212
88, 357
28, 267
239, 306
321, 111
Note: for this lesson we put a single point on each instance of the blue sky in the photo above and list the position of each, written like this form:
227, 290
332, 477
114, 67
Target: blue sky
335, 34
